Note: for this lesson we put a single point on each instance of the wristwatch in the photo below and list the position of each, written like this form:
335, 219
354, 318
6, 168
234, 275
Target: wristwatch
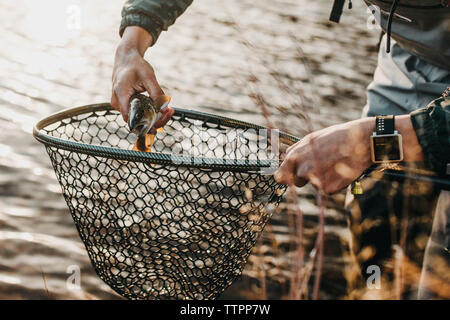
386, 142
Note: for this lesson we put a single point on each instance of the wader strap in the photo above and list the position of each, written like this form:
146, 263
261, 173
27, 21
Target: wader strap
385, 124
336, 12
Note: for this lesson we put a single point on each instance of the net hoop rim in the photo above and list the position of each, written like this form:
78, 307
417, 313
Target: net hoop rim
154, 157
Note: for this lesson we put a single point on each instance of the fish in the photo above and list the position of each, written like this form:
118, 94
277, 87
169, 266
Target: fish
144, 112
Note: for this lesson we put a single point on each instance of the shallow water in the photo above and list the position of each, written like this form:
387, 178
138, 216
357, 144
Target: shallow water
49, 61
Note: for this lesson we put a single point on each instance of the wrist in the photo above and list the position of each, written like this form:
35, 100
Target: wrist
135, 38
412, 151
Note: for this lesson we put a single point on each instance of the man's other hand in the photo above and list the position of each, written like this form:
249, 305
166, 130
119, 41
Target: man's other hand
330, 158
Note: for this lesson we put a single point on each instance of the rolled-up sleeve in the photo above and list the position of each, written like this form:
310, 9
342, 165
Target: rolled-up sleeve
432, 127
152, 15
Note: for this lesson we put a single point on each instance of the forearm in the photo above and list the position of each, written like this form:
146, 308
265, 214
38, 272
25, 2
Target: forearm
135, 38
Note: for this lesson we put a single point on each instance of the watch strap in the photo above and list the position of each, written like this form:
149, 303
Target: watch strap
384, 125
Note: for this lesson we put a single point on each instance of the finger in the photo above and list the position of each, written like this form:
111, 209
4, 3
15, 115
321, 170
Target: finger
166, 114
301, 175
151, 85
331, 188
115, 102
122, 100
307, 172
292, 147
299, 181
335, 183
285, 174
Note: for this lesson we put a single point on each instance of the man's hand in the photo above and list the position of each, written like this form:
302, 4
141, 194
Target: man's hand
334, 157
330, 159
133, 74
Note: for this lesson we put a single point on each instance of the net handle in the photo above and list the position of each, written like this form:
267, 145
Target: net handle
155, 157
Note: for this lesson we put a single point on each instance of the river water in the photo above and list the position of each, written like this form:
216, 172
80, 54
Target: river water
59, 54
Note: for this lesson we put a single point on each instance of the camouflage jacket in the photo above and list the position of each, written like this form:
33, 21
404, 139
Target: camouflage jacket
152, 15
432, 124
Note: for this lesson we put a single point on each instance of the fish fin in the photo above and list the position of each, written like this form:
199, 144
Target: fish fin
149, 140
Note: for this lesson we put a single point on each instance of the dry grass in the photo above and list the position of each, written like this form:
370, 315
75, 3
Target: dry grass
306, 267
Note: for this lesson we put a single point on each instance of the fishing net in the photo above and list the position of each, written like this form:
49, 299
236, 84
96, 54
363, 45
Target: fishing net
177, 223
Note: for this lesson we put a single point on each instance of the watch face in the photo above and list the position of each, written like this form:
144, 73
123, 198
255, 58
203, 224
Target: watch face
387, 148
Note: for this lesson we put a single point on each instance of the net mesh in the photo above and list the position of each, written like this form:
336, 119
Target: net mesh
163, 231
